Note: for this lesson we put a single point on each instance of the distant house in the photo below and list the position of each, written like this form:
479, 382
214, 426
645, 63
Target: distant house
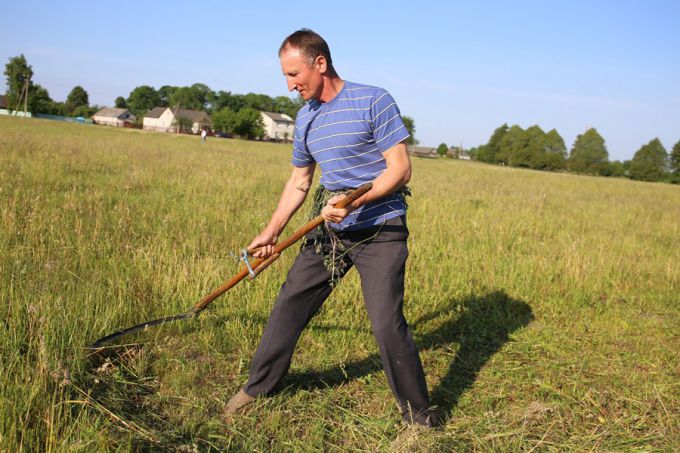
165, 119
277, 126
422, 151
5, 108
152, 120
113, 117
456, 152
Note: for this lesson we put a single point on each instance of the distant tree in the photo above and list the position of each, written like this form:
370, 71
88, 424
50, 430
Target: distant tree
196, 97
474, 152
185, 124
56, 108
675, 158
17, 71
284, 104
513, 140
674, 164
41, 102
555, 151
410, 125
626, 166
298, 103
442, 149
606, 170
532, 150
185, 99
616, 169
249, 123
85, 111
224, 120
142, 99
78, 97
204, 95
649, 162
165, 95
589, 153
120, 102
224, 99
489, 152
484, 154
260, 102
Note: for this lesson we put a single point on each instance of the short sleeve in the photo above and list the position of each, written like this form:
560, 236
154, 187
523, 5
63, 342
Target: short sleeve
388, 127
301, 155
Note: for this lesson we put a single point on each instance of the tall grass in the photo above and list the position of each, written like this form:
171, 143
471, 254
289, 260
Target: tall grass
545, 305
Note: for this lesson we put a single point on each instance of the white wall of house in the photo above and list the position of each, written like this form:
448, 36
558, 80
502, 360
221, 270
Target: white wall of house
161, 124
112, 120
164, 123
108, 121
277, 130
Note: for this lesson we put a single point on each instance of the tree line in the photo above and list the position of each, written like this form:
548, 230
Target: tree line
232, 113
539, 150
236, 114
18, 73
200, 97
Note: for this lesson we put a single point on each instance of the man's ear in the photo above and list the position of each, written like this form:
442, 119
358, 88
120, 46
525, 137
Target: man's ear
321, 64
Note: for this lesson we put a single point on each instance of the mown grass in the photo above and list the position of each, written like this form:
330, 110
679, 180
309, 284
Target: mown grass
545, 305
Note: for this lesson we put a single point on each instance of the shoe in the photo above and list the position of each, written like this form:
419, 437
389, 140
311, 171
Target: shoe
429, 418
236, 403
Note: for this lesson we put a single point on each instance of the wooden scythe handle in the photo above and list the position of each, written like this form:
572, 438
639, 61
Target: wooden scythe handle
290, 240
258, 266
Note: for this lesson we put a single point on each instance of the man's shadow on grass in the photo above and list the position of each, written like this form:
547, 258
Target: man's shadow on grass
478, 325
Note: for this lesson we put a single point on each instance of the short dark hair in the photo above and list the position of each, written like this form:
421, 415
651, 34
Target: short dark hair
310, 43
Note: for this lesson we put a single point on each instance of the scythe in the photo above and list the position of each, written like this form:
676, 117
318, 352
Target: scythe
250, 269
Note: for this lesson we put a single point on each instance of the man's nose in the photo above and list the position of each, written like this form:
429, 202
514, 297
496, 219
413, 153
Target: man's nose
291, 85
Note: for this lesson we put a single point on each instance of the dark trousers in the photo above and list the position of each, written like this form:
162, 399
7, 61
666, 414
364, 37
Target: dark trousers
379, 254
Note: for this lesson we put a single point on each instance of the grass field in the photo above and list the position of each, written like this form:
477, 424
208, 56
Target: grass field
545, 306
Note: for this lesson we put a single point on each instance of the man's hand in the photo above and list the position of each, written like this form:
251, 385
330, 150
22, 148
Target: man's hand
396, 175
263, 244
292, 197
335, 215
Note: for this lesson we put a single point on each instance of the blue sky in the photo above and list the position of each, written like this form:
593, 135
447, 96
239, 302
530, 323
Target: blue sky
459, 69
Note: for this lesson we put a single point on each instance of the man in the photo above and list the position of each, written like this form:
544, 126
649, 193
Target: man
356, 135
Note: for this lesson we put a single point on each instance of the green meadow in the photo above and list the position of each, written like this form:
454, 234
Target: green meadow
545, 305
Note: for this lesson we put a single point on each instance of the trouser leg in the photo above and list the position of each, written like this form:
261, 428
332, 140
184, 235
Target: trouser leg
306, 288
381, 265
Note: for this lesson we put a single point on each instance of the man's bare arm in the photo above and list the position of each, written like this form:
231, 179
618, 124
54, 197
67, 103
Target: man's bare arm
293, 195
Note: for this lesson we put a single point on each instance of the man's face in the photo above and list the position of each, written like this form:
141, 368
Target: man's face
300, 75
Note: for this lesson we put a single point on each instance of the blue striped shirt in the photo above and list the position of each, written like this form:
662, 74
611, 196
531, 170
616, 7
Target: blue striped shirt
346, 137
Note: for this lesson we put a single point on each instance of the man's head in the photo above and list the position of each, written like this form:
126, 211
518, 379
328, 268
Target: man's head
305, 61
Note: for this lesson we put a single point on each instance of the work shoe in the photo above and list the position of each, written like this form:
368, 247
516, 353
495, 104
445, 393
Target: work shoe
416, 434
429, 418
236, 403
